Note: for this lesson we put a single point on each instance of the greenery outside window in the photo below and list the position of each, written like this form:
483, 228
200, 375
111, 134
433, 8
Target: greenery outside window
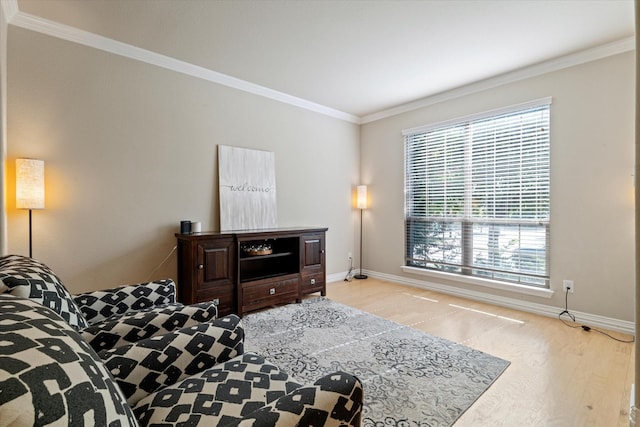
477, 195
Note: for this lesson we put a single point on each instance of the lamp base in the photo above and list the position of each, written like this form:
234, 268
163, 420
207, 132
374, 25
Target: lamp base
360, 276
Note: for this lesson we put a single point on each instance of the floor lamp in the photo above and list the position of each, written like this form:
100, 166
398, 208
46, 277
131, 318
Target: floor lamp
29, 188
362, 204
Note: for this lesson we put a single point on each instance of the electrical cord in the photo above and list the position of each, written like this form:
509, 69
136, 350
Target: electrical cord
162, 263
566, 308
584, 327
349, 275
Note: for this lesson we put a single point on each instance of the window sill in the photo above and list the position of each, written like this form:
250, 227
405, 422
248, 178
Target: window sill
494, 284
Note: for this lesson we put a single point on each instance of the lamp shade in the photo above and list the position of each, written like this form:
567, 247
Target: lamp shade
361, 197
29, 184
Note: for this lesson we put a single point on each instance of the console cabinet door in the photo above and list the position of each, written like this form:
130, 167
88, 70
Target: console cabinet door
215, 273
312, 263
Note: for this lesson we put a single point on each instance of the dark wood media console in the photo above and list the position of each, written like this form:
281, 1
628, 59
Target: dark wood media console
249, 270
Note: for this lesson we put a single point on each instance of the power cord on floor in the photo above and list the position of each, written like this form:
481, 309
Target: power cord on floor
349, 275
566, 308
585, 328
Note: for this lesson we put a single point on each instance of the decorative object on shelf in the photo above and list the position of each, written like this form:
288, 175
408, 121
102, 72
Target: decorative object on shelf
258, 249
188, 227
247, 189
362, 203
30, 188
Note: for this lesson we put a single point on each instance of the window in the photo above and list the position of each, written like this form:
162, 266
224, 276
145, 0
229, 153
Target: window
477, 195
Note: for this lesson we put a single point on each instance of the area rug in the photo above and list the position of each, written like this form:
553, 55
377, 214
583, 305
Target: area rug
410, 378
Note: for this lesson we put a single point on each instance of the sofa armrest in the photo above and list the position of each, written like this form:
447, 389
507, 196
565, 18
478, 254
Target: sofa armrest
98, 306
135, 326
151, 364
334, 400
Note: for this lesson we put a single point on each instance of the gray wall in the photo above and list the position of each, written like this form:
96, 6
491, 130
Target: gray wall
592, 161
130, 150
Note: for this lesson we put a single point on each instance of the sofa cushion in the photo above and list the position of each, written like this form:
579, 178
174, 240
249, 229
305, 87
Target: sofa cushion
49, 375
335, 399
138, 325
148, 365
25, 277
222, 395
98, 306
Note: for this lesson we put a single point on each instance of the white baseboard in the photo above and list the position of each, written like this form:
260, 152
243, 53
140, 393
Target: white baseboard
593, 320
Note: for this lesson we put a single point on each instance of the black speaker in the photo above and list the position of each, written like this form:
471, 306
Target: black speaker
185, 227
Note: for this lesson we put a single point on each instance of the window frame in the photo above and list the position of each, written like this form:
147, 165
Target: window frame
465, 272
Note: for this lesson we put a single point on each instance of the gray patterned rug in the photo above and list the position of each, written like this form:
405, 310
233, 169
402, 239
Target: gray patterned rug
410, 378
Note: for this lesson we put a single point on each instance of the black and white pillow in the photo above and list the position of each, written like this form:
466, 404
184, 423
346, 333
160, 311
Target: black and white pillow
219, 396
98, 306
135, 326
49, 375
25, 277
146, 366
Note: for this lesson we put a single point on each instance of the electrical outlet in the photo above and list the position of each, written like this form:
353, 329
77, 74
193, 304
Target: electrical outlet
349, 256
568, 285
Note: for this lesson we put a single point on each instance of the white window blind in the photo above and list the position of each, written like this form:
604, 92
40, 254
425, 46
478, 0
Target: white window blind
477, 195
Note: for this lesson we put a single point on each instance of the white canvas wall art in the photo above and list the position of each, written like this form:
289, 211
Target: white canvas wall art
247, 189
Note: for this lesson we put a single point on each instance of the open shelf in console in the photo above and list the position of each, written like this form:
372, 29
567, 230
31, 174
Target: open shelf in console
283, 259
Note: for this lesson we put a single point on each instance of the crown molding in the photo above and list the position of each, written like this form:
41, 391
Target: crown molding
556, 64
75, 35
54, 29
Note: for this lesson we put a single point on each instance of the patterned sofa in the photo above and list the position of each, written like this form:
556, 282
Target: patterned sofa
105, 319
54, 372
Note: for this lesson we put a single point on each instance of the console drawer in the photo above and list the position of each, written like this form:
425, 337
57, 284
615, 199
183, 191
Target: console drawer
224, 295
270, 292
310, 283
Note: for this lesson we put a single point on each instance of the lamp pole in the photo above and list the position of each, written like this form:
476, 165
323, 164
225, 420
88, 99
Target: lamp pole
361, 276
30, 241
362, 203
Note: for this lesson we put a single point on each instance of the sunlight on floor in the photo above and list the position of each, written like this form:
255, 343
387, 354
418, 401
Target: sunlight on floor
465, 308
486, 313
422, 298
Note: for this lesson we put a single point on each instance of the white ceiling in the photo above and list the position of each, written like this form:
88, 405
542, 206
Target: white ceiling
357, 57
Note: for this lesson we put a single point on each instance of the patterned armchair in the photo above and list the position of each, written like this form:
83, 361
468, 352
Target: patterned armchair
195, 376
132, 356
109, 318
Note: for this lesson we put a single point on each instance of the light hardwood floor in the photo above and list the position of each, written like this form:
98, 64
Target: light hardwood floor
558, 376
